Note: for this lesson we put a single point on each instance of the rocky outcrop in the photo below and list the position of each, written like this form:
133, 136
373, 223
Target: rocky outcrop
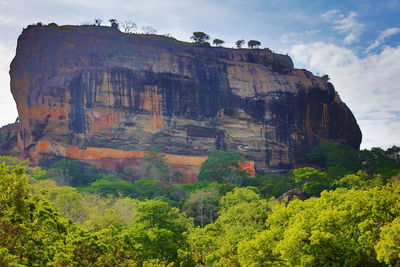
98, 95
9, 139
293, 194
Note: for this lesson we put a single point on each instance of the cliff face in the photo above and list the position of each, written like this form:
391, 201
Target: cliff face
95, 94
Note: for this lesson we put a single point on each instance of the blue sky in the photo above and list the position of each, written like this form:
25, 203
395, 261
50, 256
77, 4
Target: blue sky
356, 42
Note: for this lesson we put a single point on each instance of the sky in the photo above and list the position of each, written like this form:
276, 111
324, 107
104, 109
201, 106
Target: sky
357, 43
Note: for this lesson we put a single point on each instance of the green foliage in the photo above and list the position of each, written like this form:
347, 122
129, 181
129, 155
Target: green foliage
34, 173
218, 42
160, 230
156, 167
65, 172
222, 167
253, 44
101, 248
388, 247
67, 200
111, 186
146, 188
340, 160
340, 227
384, 162
30, 229
239, 43
8, 139
361, 180
357, 224
243, 214
200, 37
272, 184
202, 205
334, 156
311, 181
238, 195
102, 213
129, 174
70, 173
14, 190
179, 193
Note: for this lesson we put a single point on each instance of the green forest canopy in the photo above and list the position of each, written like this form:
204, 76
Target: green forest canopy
71, 214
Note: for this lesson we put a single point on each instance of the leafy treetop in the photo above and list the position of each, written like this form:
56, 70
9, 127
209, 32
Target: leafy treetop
239, 43
200, 37
253, 44
218, 42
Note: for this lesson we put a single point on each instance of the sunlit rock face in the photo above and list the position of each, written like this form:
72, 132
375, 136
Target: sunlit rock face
104, 97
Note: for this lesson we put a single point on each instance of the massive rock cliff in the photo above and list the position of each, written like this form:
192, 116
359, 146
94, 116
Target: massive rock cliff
104, 97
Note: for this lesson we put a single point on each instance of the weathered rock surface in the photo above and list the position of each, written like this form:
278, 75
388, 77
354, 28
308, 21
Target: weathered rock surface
98, 95
9, 139
293, 194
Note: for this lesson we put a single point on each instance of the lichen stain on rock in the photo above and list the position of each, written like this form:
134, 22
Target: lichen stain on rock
104, 97
102, 118
153, 103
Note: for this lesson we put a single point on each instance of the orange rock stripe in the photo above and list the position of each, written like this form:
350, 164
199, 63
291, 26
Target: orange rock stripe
96, 153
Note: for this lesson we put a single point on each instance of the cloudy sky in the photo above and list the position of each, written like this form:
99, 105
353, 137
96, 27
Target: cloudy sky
357, 43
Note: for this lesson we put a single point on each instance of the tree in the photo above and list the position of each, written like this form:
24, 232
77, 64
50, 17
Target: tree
67, 200
148, 30
114, 24
202, 206
253, 44
377, 160
71, 173
108, 212
65, 172
311, 181
200, 37
325, 77
31, 230
393, 153
340, 227
222, 166
158, 231
146, 188
218, 42
156, 167
360, 180
340, 158
242, 214
97, 22
111, 185
272, 184
128, 26
239, 43
388, 247
33, 173
238, 195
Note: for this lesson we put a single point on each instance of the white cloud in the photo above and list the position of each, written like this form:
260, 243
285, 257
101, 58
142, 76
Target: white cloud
348, 25
370, 86
6, 19
382, 36
330, 15
288, 37
296, 36
7, 104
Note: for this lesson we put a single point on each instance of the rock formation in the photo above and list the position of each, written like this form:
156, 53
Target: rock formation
9, 139
105, 97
